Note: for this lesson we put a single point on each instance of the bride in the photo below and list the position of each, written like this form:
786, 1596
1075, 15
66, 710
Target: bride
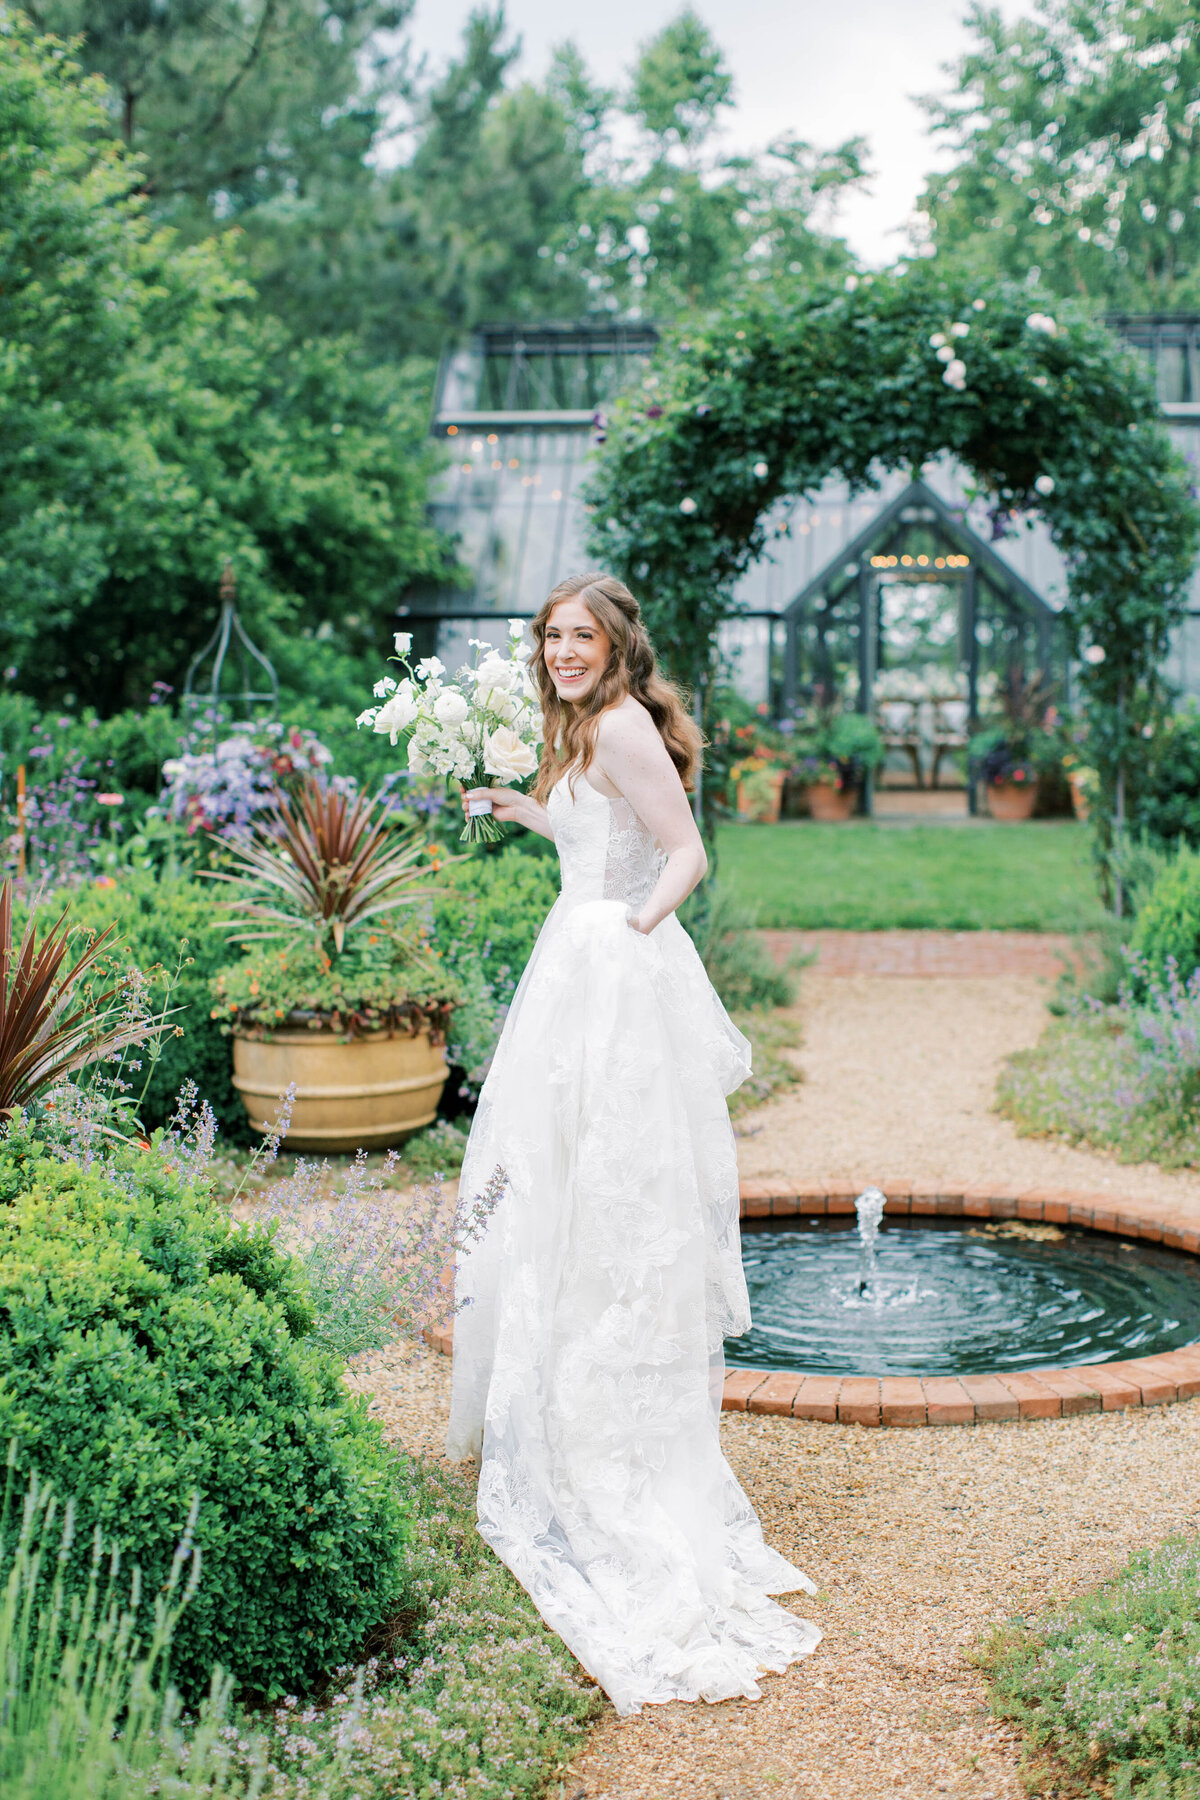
588, 1359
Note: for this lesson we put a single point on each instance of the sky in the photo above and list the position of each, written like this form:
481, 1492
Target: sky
823, 69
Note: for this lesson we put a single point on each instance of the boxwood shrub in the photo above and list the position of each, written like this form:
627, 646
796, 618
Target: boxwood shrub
150, 1351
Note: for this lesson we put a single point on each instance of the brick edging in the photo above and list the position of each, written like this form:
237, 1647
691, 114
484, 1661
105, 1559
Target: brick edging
968, 1399
963, 1399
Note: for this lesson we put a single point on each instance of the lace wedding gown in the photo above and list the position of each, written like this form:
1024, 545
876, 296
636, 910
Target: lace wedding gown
588, 1356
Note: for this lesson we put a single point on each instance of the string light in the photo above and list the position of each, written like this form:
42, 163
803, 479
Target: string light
452, 431
492, 438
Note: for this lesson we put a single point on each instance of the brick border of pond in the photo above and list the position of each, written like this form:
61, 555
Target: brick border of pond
909, 1400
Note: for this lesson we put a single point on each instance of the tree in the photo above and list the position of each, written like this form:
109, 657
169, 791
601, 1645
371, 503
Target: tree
154, 421
1077, 152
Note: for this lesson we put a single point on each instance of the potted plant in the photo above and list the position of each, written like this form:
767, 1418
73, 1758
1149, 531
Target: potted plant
1010, 779
1083, 781
342, 998
758, 782
847, 745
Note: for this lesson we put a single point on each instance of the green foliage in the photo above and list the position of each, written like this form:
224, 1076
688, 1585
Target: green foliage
854, 739
165, 927
496, 903
1105, 1688
1167, 803
88, 1711
139, 1367
863, 876
391, 979
1075, 149
1052, 416
722, 927
153, 421
438, 1150
1167, 929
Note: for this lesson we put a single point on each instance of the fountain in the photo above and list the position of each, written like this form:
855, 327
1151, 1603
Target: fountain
935, 1295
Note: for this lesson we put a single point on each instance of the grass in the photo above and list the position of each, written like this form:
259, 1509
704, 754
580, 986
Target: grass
867, 876
1105, 1690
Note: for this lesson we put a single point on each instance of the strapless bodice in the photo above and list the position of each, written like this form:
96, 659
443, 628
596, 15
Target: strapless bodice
604, 850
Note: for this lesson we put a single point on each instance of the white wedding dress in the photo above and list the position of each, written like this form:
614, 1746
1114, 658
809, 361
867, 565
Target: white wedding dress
588, 1354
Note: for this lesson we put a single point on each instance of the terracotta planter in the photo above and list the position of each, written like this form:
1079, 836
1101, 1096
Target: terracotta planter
1010, 800
351, 1094
764, 810
830, 803
1079, 799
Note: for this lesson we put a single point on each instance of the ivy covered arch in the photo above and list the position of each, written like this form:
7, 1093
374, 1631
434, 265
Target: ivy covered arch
1046, 411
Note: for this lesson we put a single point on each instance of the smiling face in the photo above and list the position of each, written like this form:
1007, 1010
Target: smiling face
576, 650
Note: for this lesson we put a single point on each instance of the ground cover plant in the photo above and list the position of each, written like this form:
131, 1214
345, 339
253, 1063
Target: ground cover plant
1105, 1687
864, 876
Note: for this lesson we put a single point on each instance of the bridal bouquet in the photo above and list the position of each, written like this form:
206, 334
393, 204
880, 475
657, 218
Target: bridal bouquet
483, 727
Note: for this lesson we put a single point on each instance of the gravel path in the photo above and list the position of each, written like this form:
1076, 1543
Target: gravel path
898, 1082
918, 1540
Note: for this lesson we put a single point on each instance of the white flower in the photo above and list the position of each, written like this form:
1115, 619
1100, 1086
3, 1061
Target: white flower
506, 756
760, 469
851, 283
399, 712
1044, 484
1094, 654
516, 628
450, 707
959, 329
946, 353
383, 688
687, 504
937, 340
403, 642
416, 757
978, 305
171, 769
955, 374
430, 668
1042, 322
497, 671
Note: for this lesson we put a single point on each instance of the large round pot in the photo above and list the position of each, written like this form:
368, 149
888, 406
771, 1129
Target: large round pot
362, 1093
830, 803
1011, 800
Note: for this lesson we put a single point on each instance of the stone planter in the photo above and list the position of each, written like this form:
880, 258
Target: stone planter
363, 1093
1012, 800
760, 800
829, 803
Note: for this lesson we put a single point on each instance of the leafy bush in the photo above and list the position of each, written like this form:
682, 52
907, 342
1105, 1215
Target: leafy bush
393, 980
1108, 1685
153, 918
1167, 806
150, 1352
497, 903
1166, 934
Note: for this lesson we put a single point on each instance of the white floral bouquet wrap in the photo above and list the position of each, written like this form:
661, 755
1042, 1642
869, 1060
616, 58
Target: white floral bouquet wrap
482, 727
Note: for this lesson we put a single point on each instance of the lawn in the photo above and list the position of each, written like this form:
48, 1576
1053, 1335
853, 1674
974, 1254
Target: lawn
867, 876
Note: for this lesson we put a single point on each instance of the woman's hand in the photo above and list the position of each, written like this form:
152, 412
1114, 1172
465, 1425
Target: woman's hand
507, 804
635, 924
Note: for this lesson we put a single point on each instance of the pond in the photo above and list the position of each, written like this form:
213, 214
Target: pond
958, 1297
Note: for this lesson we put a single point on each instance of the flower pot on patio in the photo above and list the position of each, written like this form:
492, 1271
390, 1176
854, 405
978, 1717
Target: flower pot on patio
1012, 800
359, 1093
830, 803
759, 796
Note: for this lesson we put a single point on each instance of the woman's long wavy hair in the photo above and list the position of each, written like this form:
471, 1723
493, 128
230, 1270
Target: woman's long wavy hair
570, 731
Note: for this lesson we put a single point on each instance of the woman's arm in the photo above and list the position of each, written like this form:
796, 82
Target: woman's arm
634, 759
510, 807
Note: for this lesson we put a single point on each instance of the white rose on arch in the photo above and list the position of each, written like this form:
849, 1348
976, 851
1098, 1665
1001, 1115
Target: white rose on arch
506, 757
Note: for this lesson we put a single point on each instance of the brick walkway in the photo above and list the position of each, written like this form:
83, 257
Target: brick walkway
966, 954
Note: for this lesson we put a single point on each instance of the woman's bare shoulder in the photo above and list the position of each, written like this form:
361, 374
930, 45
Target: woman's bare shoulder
626, 726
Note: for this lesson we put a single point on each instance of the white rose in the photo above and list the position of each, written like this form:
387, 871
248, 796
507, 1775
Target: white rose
403, 643
398, 713
497, 671
506, 757
450, 708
